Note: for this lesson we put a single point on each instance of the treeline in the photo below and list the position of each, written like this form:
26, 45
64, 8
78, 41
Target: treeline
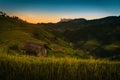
12, 19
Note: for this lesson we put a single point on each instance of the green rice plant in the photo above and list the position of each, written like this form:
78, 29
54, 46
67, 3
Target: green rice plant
51, 68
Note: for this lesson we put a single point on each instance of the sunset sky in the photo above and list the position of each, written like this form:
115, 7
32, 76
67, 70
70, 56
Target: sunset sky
52, 10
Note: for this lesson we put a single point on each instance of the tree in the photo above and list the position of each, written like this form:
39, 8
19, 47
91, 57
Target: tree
2, 14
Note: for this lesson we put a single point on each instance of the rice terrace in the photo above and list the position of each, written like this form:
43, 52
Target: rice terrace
59, 40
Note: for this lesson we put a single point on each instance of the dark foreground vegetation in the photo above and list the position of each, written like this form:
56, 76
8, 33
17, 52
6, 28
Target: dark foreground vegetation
51, 68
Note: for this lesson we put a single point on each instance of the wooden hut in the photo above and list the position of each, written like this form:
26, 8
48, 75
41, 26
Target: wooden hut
34, 48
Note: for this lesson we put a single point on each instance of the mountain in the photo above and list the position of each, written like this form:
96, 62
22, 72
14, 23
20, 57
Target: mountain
73, 20
98, 37
76, 24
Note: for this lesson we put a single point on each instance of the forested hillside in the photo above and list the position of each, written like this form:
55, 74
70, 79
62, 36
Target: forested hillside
98, 37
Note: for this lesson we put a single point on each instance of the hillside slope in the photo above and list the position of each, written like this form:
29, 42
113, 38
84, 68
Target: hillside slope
14, 32
98, 37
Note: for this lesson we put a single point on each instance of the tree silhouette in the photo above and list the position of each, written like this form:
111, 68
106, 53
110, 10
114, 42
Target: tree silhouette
3, 14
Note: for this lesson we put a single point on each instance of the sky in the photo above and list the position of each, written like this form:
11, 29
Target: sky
44, 11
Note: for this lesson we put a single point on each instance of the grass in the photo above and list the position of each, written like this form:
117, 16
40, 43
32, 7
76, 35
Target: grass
51, 68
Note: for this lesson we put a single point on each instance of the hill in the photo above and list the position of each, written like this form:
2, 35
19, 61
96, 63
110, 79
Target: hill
98, 37
14, 32
75, 24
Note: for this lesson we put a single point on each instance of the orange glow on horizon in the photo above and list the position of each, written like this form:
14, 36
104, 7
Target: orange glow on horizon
36, 18
46, 18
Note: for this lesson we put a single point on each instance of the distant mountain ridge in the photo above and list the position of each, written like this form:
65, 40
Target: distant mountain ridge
75, 24
109, 18
73, 20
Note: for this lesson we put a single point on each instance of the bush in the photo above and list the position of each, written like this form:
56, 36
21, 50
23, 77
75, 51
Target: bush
14, 47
